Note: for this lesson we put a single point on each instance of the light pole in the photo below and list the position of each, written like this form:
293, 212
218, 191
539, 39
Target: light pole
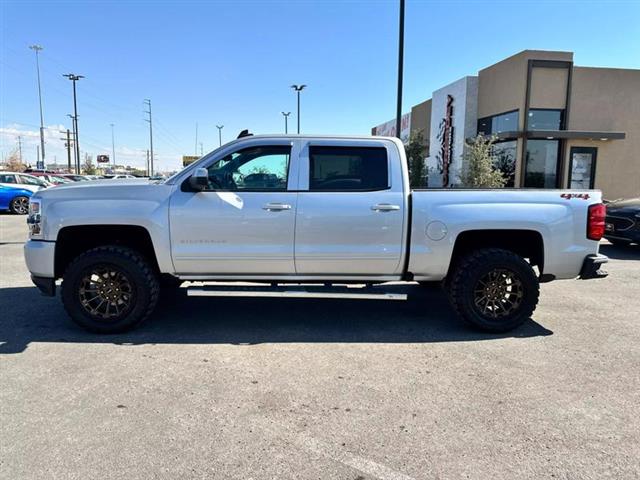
113, 145
286, 123
298, 89
400, 65
220, 127
37, 49
74, 78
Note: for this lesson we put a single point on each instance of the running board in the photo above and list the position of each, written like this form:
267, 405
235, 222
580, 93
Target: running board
299, 292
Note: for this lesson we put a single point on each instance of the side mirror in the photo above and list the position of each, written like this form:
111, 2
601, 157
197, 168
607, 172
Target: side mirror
199, 179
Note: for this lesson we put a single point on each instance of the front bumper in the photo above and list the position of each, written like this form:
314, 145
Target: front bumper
47, 286
40, 257
591, 267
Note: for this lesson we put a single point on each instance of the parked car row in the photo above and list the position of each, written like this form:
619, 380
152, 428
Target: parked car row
17, 187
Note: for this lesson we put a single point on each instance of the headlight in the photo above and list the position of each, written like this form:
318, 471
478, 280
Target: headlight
34, 220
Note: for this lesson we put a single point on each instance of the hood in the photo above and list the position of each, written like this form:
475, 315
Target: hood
117, 189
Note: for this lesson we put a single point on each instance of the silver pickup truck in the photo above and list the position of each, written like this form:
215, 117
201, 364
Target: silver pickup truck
306, 216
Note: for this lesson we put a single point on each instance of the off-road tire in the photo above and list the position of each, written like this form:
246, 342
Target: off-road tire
17, 205
465, 280
135, 268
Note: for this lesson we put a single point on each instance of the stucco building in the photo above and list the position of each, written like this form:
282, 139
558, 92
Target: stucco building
558, 125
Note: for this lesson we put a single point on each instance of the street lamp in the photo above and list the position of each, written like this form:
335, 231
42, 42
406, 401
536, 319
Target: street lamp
400, 70
286, 118
37, 49
220, 127
74, 78
298, 89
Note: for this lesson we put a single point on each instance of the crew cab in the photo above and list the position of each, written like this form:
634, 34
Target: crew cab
304, 216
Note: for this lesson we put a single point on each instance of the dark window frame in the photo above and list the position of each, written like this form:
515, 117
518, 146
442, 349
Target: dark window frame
577, 149
349, 190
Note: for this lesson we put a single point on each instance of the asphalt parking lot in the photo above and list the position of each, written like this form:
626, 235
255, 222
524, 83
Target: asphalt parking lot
297, 389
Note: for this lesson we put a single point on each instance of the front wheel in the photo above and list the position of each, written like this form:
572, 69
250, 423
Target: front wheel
109, 289
494, 290
19, 205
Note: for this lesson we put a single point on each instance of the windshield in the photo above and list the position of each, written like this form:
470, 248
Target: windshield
29, 180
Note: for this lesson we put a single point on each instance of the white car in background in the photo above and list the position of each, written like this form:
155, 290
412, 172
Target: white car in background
23, 180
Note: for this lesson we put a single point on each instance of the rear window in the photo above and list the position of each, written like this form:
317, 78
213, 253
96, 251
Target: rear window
348, 168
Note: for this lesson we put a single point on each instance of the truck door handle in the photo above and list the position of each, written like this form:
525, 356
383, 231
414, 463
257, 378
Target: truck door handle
385, 207
276, 207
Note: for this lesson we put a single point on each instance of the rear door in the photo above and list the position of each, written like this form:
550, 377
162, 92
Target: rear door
243, 223
351, 209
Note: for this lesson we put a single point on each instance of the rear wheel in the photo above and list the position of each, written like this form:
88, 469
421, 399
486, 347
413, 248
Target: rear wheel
19, 205
493, 289
109, 289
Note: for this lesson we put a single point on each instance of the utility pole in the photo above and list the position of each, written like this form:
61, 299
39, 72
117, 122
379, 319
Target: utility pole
67, 145
220, 127
148, 171
400, 69
73, 143
286, 125
113, 146
148, 103
298, 89
74, 78
37, 156
37, 49
196, 147
20, 147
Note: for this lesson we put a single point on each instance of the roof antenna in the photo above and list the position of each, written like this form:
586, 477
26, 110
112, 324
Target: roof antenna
245, 133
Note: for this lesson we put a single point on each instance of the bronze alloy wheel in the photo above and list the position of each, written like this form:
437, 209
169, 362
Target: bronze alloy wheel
20, 205
106, 293
498, 293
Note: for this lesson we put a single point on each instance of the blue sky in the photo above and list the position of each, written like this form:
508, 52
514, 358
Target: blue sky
232, 63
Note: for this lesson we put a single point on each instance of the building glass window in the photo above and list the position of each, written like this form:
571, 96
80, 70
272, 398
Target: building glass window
504, 122
542, 119
541, 166
504, 159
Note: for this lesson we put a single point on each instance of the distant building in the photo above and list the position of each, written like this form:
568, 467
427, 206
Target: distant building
558, 125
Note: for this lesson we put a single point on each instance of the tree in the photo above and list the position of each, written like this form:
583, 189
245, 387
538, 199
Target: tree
14, 162
416, 150
478, 170
88, 168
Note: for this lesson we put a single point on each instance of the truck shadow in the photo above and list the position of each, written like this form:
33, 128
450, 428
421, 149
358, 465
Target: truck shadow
29, 317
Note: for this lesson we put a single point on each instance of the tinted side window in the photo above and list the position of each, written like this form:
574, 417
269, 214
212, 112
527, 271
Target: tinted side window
348, 168
255, 168
7, 178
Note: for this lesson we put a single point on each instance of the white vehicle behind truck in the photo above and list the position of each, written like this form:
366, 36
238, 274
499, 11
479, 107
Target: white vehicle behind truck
303, 216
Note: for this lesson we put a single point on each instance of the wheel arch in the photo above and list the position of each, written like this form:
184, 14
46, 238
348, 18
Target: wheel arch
528, 244
72, 241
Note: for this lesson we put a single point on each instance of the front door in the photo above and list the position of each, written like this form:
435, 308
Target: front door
582, 167
243, 223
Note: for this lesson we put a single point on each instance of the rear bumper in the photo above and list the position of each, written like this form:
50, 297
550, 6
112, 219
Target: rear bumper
591, 267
